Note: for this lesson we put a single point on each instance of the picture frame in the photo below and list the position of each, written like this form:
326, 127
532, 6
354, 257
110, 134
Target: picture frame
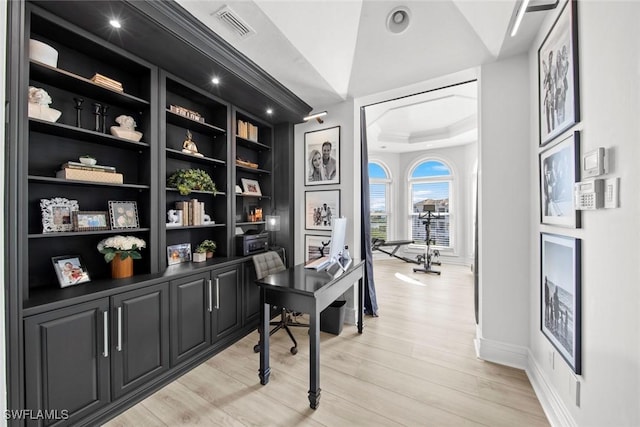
322, 156
70, 270
251, 187
558, 84
320, 208
123, 214
179, 253
57, 214
559, 170
560, 296
90, 220
316, 246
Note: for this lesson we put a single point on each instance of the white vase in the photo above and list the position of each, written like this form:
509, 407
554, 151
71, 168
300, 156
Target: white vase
44, 112
131, 135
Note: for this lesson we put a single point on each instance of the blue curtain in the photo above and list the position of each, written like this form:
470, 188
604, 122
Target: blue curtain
370, 300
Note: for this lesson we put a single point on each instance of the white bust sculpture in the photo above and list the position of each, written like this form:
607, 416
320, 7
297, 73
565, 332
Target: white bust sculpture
126, 128
39, 101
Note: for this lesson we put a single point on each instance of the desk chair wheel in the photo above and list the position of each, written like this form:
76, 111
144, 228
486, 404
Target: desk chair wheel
294, 350
256, 348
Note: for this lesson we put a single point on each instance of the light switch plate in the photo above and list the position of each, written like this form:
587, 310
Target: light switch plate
611, 193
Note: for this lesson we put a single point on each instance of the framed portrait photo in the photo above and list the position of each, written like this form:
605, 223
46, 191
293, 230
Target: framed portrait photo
558, 100
560, 300
316, 246
559, 171
322, 156
179, 253
123, 214
57, 214
321, 207
90, 220
70, 270
251, 187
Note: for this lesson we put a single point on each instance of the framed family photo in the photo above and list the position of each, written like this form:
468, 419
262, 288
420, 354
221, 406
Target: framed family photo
57, 214
559, 171
179, 253
251, 187
321, 207
90, 220
123, 214
322, 156
316, 246
560, 300
70, 270
558, 100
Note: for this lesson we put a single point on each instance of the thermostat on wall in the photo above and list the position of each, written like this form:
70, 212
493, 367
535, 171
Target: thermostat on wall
594, 163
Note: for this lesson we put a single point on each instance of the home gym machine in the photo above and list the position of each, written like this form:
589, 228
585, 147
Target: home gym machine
430, 257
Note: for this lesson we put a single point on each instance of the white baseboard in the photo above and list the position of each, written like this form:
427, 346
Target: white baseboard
552, 404
505, 354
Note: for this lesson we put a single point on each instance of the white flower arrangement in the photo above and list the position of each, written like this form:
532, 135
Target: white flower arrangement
126, 122
39, 96
126, 246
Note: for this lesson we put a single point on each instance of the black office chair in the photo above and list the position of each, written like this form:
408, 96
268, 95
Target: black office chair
269, 263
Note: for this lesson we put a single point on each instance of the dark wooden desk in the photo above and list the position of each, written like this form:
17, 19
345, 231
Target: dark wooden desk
306, 291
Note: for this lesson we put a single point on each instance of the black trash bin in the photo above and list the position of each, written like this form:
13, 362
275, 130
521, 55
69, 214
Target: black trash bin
332, 318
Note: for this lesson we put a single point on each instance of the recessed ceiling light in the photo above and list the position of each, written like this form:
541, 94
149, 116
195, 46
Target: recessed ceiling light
115, 23
398, 20
269, 111
215, 81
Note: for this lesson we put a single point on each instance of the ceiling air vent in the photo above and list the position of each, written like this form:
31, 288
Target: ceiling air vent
234, 22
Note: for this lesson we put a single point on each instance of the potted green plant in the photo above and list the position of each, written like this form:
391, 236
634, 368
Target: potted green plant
209, 247
187, 180
200, 254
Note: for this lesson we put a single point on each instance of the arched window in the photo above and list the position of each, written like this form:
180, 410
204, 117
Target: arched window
379, 183
430, 187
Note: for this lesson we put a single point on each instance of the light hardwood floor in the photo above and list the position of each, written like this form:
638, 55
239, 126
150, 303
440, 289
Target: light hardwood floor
414, 365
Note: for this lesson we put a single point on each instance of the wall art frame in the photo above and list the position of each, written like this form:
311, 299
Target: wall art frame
560, 296
123, 214
320, 208
558, 82
316, 246
322, 156
57, 214
559, 170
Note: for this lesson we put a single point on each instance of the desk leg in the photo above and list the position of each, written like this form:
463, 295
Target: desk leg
314, 358
265, 311
360, 319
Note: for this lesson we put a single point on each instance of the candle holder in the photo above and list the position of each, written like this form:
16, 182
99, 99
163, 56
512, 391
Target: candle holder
78, 107
105, 108
97, 108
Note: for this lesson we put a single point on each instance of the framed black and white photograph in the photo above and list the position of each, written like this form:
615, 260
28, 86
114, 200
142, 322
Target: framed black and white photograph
57, 214
70, 270
322, 156
123, 214
316, 246
559, 171
251, 187
90, 220
179, 253
321, 207
558, 100
560, 308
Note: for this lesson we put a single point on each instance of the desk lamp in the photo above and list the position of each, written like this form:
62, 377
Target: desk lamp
272, 224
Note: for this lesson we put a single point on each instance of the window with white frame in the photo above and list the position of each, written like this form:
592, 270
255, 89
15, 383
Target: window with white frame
431, 183
379, 183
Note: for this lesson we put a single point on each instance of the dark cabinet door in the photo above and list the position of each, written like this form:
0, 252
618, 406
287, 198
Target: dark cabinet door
250, 296
190, 316
227, 310
140, 337
67, 361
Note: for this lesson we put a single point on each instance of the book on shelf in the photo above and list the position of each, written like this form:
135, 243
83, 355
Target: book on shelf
82, 166
90, 175
192, 212
252, 132
105, 81
242, 129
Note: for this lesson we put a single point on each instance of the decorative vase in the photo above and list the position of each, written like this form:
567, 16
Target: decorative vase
209, 254
121, 268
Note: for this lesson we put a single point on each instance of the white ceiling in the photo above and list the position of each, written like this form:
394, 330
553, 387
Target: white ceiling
332, 50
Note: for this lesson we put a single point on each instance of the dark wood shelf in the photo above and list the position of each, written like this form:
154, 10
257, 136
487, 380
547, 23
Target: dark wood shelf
187, 227
251, 196
254, 145
217, 193
81, 85
86, 233
256, 171
61, 181
250, 223
60, 129
185, 122
176, 154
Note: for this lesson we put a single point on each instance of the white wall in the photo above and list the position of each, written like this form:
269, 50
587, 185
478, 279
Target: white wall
3, 377
609, 66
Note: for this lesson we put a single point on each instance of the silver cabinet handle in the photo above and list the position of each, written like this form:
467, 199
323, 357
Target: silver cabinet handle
105, 322
210, 297
119, 347
217, 293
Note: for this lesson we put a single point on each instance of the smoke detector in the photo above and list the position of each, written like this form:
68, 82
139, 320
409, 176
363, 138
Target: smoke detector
398, 20
233, 21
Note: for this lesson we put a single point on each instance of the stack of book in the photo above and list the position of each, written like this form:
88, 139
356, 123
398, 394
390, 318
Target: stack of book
104, 81
185, 112
75, 171
247, 130
192, 212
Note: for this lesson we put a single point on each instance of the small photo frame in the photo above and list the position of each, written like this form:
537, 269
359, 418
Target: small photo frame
70, 270
57, 214
321, 207
123, 214
560, 300
90, 220
559, 171
179, 253
322, 156
251, 187
316, 246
